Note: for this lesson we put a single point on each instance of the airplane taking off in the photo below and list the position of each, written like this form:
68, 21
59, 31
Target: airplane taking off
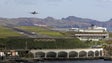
34, 12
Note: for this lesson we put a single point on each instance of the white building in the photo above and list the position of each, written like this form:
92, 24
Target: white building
92, 33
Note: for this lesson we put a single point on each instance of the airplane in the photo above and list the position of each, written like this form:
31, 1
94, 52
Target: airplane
34, 12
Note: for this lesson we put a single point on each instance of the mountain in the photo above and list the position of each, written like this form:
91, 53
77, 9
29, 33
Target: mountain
81, 22
70, 21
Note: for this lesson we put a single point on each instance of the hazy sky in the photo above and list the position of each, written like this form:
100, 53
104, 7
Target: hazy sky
93, 9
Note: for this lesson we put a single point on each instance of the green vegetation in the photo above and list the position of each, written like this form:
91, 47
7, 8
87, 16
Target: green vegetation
40, 43
110, 34
59, 40
108, 47
6, 32
44, 43
44, 31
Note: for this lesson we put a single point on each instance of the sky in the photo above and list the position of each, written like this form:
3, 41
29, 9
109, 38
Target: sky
93, 9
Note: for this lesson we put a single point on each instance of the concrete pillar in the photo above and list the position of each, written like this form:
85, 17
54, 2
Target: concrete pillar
94, 54
99, 54
56, 55
78, 55
45, 55
67, 55
34, 54
102, 53
87, 54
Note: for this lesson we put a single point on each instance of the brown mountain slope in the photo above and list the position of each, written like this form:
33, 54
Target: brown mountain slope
70, 21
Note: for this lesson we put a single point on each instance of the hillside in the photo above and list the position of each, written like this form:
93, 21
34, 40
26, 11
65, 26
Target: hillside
6, 32
43, 31
11, 39
31, 32
55, 39
70, 21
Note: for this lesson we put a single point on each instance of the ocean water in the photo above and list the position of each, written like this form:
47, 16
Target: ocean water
77, 61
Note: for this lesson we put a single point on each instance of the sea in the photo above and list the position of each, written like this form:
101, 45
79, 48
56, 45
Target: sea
77, 61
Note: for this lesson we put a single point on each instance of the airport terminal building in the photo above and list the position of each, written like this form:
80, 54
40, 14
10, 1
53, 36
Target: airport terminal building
93, 33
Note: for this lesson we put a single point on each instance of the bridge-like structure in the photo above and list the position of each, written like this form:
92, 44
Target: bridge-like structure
67, 53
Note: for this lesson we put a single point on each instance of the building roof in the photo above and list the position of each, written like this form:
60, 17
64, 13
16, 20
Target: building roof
91, 32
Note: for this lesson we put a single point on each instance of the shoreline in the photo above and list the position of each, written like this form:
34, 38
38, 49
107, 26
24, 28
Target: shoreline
61, 59
31, 60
